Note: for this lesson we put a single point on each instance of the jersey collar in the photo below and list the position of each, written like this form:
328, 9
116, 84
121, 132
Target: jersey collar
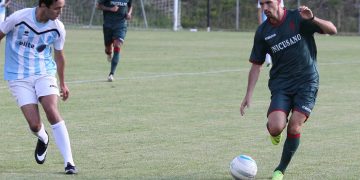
282, 19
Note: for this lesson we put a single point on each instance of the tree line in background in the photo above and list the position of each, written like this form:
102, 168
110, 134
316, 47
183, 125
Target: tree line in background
343, 13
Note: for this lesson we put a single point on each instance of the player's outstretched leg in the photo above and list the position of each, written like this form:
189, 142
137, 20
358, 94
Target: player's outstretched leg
62, 141
290, 146
114, 62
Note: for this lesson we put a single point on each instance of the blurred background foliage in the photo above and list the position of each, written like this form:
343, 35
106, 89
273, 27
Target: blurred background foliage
159, 13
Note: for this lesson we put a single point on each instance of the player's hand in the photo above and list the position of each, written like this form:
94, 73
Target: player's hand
114, 9
244, 103
128, 16
98, 6
64, 92
306, 12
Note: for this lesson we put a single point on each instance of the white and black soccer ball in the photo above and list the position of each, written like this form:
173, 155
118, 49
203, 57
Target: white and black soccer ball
243, 167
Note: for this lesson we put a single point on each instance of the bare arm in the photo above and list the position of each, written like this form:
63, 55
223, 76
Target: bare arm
259, 15
129, 14
2, 35
326, 26
60, 63
252, 79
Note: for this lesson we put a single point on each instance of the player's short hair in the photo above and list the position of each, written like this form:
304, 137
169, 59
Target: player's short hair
47, 3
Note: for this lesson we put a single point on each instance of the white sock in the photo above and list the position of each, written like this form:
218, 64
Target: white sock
62, 141
42, 134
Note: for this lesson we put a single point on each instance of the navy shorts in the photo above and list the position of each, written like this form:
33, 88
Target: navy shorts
303, 101
114, 32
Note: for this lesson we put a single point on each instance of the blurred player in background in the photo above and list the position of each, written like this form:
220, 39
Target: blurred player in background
116, 13
261, 18
3, 5
30, 70
288, 35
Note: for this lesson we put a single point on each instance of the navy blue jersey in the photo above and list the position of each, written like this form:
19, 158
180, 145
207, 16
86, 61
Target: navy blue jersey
118, 17
292, 47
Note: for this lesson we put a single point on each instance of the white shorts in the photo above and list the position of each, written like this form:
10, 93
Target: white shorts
29, 90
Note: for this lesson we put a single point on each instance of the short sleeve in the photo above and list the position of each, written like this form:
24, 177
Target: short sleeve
309, 27
60, 41
258, 51
9, 23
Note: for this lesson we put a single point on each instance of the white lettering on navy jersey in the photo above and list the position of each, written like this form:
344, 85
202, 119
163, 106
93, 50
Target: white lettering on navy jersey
285, 44
269, 37
118, 3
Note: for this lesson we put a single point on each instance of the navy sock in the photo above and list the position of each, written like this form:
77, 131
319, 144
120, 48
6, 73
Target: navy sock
290, 146
115, 60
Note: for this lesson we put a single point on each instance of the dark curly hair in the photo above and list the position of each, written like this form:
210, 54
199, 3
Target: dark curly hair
47, 3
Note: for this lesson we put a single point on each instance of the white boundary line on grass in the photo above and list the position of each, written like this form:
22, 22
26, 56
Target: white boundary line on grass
154, 76
188, 74
182, 74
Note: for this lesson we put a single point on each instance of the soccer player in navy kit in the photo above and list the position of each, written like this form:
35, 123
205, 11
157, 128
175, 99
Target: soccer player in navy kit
32, 34
116, 13
262, 18
288, 36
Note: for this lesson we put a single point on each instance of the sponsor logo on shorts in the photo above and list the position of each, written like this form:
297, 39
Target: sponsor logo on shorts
53, 86
306, 109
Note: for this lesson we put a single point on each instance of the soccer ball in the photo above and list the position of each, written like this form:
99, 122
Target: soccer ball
243, 167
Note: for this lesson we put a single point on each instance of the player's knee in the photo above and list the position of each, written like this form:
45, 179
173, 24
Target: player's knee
117, 43
274, 129
294, 129
108, 50
35, 127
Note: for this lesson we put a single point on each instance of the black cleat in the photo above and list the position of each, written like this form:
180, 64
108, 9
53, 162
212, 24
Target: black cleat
40, 151
70, 169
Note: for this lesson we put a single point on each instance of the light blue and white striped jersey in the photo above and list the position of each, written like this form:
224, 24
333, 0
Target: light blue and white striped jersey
29, 44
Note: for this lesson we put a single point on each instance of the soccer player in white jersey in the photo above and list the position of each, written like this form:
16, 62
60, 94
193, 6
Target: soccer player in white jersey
30, 71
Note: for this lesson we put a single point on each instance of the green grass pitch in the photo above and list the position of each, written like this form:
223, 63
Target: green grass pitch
173, 111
